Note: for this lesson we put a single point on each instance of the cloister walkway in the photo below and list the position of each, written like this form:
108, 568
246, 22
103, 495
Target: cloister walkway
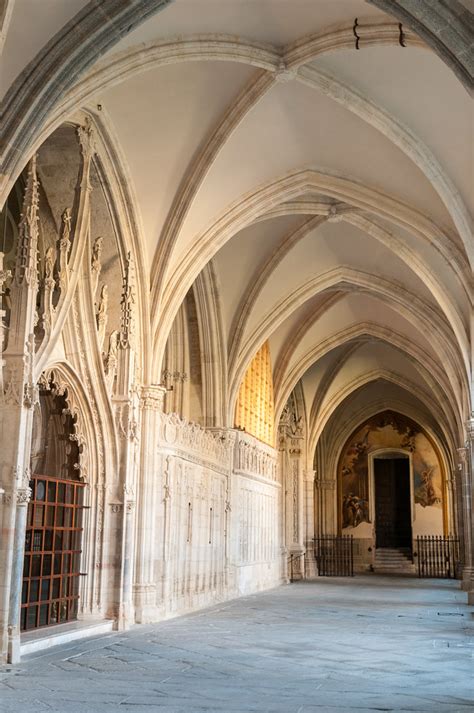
364, 644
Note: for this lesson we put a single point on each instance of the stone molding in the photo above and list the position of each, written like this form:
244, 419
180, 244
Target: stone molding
283, 189
56, 68
446, 26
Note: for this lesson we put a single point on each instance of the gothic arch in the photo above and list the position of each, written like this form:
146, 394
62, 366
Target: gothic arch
213, 351
293, 185
62, 377
56, 68
365, 330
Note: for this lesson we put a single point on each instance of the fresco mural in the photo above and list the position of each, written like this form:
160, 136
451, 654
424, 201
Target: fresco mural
386, 430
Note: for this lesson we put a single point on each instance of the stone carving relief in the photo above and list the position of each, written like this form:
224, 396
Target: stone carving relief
26, 262
5, 276
11, 387
111, 360
203, 444
96, 264
86, 136
127, 322
101, 315
64, 245
254, 457
53, 380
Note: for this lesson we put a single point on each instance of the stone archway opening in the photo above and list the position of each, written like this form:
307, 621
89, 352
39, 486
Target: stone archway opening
53, 538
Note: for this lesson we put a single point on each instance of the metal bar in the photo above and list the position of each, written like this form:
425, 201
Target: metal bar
437, 556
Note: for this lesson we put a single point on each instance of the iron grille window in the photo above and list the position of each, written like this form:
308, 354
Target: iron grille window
53, 543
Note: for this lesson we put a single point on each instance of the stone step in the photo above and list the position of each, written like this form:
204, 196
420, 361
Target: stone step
405, 565
395, 567
394, 557
393, 561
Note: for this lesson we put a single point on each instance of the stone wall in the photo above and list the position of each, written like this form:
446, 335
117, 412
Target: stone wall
216, 517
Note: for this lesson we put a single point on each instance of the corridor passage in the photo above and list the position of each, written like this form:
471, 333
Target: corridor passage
362, 644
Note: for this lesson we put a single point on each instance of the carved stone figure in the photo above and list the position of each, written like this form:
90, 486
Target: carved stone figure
66, 224
96, 254
102, 313
103, 302
111, 359
49, 260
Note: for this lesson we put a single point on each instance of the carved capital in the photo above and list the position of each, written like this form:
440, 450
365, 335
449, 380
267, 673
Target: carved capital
18, 496
152, 397
23, 496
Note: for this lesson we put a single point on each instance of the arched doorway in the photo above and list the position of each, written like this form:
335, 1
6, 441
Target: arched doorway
53, 541
391, 490
392, 500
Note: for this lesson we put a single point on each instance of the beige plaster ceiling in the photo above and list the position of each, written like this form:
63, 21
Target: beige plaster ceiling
238, 152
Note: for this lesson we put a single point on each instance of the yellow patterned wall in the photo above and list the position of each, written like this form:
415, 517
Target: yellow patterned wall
255, 411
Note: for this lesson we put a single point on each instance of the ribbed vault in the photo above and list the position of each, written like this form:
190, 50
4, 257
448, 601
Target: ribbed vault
285, 176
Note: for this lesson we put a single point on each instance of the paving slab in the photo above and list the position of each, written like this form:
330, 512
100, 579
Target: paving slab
370, 643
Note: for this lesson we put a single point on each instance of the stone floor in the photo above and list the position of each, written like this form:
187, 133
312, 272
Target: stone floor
363, 644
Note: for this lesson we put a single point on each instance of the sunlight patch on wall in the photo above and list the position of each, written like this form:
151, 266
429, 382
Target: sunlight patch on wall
255, 411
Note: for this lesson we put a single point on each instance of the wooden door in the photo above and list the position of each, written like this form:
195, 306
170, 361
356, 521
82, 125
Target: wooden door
392, 502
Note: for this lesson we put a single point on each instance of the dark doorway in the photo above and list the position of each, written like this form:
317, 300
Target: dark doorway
392, 502
53, 541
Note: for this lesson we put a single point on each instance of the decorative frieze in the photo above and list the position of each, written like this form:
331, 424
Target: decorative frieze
252, 457
202, 444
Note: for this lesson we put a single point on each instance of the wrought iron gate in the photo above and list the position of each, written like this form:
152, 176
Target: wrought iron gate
437, 556
334, 555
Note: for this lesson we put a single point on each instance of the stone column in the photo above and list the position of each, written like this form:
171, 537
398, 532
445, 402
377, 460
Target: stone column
125, 618
309, 515
150, 482
466, 467
21, 497
17, 399
292, 475
326, 523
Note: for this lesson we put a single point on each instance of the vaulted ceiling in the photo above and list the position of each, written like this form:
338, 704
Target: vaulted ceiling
330, 186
